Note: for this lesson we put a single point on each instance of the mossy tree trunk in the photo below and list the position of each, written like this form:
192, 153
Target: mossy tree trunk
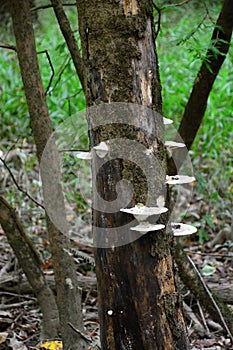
139, 306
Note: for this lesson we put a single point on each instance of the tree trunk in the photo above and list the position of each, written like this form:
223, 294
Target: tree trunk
139, 307
197, 103
68, 294
32, 267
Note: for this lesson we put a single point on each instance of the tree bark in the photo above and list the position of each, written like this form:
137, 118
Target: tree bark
30, 262
68, 294
196, 105
139, 307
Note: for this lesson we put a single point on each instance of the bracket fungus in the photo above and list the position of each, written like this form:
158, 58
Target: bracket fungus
141, 213
145, 227
179, 179
101, 149
167, 121
173, 145
84, 155
180, 229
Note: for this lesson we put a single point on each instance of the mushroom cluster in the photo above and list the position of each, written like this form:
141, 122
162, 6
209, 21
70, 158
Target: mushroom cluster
142, 213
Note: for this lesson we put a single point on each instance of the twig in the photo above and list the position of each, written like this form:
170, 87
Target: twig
70, 97
5, 268
7, 46
178, 4
18, 187
18, 295
72, 150
159, 10
82, 335
203, 316
9, 306
12, 146
42, 7
211, 297
188, 36
52, 69
61, 69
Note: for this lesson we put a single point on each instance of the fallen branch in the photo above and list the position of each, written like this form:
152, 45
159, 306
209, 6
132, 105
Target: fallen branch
22, 286
189, 275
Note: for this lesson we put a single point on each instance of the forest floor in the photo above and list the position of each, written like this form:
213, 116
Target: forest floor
20, 317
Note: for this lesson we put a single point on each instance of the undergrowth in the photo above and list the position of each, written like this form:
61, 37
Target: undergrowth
182, 42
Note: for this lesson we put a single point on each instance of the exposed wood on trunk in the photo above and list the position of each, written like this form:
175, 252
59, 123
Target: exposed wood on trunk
196, 105
139, 306
68, 295
30, 262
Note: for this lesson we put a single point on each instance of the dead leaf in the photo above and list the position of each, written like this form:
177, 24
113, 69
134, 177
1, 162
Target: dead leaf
3, 337
17, 345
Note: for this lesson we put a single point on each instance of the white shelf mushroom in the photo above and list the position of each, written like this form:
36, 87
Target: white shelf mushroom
101, 149
179, 179
180, 229
147, 227
174, 145
84, 155
141, 213
167, 121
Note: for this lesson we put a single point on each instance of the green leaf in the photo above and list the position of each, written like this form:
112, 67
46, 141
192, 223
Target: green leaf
209, 220
208, 270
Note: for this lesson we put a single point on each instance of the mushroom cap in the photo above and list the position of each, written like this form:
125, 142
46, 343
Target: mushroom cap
179, 179
141, 213
173, 144
84, 155
101, 149
180, 229
147, 227
167, 121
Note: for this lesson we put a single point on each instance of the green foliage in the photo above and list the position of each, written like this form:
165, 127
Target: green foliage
182, 44
64, 97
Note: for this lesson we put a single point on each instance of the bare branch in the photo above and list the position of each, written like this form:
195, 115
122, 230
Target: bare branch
8, 47
178, 4
52, 69
61, 71
42, 7
187, 37
159, 20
